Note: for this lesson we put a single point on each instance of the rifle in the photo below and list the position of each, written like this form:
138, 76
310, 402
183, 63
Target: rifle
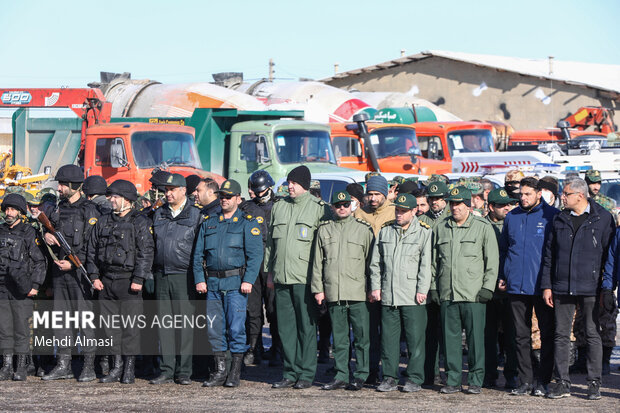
72, 256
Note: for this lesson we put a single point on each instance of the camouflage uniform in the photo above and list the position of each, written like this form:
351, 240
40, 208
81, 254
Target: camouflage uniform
474, 185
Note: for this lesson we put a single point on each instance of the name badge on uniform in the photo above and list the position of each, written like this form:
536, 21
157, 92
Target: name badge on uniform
303, 232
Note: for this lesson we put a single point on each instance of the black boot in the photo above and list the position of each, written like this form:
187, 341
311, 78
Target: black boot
31, 369
580, 364
218, 377
607, 360
6, 372
116, 372
129, 374
234, 377
104, 365
88, 370
62, 369
21, 372
250, 356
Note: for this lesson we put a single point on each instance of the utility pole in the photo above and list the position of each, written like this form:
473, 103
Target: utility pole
271, 71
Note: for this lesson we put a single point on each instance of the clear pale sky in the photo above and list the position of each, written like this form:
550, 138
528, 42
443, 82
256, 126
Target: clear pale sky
48, 43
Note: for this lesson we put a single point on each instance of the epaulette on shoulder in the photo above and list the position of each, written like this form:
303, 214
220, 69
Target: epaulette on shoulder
482, 219
361, 221
325, 222
424, 225
321, 202
387, 224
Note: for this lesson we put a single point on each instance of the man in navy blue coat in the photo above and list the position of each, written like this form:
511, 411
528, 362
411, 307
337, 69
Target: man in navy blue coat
526, 228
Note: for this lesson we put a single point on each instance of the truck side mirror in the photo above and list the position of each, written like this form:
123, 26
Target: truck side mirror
433, 150
118, 159
261, 150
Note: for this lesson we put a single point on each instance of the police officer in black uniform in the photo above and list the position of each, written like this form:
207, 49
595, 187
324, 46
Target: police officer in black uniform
260, 186
94, 188
22, 271
120, 257
74, 218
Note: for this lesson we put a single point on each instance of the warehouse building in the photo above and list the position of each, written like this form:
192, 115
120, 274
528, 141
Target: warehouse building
526, 93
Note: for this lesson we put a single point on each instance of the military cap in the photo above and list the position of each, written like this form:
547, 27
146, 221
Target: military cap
407, 187
437, 189
70, 173
36, 199
514, 175
499, 196
315, 184
459, 194
593, 176
474, 187
94, 185
16, 201
28, 196
342, 196
282, 190
15, 189
176, 180
230, 187
405, 201
123, 188
159, 177
437, 178
397, 180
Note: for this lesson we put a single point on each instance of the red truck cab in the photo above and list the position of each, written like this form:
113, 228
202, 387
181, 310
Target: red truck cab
443, 140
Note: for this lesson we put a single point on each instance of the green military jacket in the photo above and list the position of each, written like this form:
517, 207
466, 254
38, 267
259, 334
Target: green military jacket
400, 265
427, 217
293, 225
341, 259
465, 259
606, 202
497, 226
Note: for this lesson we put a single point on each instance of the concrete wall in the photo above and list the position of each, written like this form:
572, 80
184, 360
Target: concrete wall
509, 97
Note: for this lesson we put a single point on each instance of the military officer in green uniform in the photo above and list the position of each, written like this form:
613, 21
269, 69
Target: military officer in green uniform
437, 190
288, 261
498, 309
436, 193
400, 276
593, 179
465, 265
478, 204
342, 252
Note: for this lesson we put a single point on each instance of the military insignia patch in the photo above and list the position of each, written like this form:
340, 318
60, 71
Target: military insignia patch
255, 231
455, 191
37, 241
235, 219
169, 180
402, 199
151, 230
92, 221
260, 220
341, 196
433, 188
248, 216
226, 185
221, 217
503, 193
303, 232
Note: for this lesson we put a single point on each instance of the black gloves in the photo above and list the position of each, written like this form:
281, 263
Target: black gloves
484, 295
433, 296
607, 300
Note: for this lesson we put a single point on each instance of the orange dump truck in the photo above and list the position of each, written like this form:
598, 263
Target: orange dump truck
372, 146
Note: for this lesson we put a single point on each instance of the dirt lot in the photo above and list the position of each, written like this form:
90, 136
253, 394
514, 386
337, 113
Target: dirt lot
255, 394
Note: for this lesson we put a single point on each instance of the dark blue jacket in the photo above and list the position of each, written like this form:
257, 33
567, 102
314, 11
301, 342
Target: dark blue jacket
611, 276
228, 244
574, 260
521, 247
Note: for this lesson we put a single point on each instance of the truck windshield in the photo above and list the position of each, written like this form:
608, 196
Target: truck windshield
152, 149
471, 140
298, 146
394, 142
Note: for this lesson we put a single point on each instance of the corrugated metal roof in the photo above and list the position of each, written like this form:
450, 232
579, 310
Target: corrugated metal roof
598, 76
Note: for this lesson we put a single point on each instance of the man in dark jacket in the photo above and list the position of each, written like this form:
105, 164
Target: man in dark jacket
175, 226
522, 244
574, 259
